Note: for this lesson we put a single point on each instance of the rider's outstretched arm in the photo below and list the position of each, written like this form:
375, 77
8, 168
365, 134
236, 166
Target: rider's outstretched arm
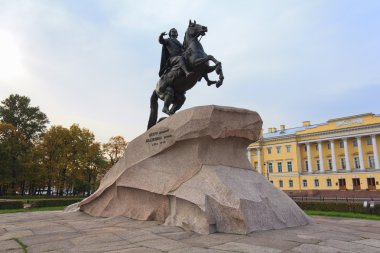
161, 38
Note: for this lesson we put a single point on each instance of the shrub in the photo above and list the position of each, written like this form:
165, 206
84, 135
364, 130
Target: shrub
53, 202
338, 207
11, 204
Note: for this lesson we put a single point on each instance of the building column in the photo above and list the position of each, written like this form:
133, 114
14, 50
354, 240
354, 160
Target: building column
346, 154
375, 152
309, 164
299, 164
259, 160
321, 163
332, 146
360, 150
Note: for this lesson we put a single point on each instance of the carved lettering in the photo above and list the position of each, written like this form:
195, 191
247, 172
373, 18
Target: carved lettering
158, 138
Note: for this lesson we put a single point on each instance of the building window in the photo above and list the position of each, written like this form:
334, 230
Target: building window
343, 163
270, 167
316, 182
278, 149
316, 147
306, 165
328, 182
279, 166
371, 161
357, 162
304, 183
369, 141
269, 151
341, 145
330, 164
280, 184
289, 165
318, 165
305, 148
288, 149
354, 142
329, 145
290, 183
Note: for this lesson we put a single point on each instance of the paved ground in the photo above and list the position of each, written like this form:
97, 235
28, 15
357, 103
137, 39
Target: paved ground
76, 232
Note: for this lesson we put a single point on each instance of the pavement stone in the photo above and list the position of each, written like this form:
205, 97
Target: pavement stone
57, 231
15, 234
370, 242
265, 242
9, 245
163, 244
207, 241
179, 235
312, 248
242, 247
197, 250
350, 246
136, 250
12, 251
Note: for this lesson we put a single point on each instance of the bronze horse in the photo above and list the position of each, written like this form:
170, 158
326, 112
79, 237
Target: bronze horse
173, 84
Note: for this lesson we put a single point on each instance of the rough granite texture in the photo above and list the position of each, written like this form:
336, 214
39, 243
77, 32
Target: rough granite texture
191, 170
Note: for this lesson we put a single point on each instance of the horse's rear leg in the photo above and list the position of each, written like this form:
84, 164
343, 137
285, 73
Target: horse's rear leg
179, 101
153, 109
169, 97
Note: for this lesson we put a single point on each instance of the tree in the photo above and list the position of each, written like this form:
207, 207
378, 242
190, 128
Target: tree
54, 150
11, 150
28, 120
71, 159
115, 148
27, 123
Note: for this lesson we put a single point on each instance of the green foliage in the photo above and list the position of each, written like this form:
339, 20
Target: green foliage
28, 120
54, 202
67, 160
338, 207
11, 204
114, 148
23, 246
52, 208
70, 158
343, 214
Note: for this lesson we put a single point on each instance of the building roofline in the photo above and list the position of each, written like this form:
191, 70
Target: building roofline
351, 117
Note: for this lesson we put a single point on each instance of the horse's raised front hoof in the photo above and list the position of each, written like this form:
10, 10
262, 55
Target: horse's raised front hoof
219, 83
209, 83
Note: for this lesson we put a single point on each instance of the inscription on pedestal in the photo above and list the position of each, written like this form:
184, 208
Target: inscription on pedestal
158, 137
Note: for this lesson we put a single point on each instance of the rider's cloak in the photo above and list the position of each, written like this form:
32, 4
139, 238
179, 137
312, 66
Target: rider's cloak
164, 58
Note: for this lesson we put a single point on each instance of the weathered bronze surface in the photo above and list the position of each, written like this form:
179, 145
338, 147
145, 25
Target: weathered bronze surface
182, 66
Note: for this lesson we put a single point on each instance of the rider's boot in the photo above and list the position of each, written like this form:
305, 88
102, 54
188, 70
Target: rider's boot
184, 67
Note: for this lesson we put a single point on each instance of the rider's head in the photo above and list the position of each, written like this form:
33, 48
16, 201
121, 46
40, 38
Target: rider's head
173, 33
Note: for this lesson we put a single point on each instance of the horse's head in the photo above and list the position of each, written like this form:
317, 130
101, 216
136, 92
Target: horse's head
195, 30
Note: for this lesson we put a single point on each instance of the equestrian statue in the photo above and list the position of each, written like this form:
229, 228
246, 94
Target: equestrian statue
182, 66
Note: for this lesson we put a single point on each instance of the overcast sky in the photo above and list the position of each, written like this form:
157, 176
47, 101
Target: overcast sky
96, 63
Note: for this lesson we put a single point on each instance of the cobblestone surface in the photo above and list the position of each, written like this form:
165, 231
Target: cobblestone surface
57, 231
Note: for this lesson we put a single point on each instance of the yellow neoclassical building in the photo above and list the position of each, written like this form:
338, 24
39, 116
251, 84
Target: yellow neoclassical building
341, 154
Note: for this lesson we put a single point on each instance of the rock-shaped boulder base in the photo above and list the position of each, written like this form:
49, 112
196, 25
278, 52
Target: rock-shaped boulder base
191, 170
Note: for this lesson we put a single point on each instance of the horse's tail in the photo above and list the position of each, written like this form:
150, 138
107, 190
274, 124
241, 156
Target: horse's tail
153, 109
